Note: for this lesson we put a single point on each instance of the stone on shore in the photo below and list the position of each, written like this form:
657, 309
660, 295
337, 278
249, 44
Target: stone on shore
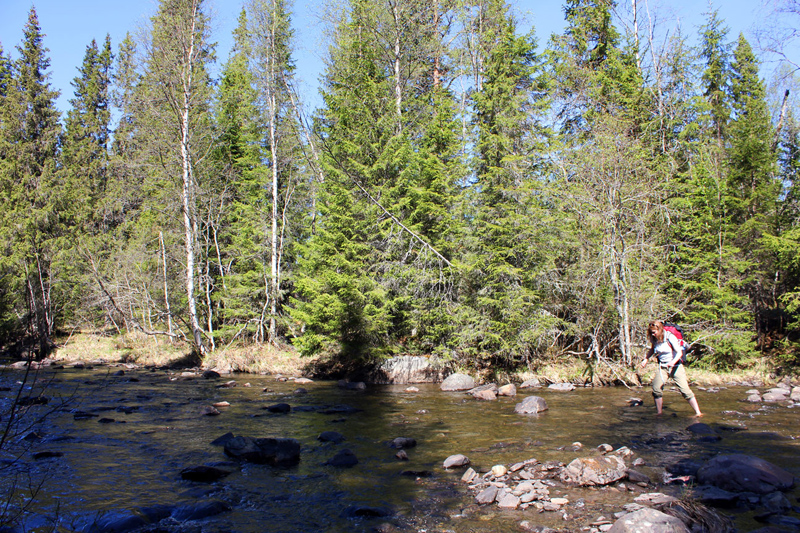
565, 387
403, 370
531, 405
458, 382
532, 383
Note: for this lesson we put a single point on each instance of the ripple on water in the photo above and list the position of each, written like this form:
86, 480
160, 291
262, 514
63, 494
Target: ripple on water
159, 429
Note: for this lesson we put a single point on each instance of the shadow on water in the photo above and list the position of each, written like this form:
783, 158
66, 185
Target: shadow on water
142, 428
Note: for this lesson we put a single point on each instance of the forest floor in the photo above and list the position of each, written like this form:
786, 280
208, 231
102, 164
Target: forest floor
143, 350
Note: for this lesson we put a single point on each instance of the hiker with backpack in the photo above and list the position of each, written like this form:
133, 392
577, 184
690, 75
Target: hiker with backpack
669, 353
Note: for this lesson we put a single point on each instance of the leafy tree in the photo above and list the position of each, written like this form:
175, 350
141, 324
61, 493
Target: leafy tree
173, 129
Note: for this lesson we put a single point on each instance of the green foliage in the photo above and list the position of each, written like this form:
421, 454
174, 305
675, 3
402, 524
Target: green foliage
29, 221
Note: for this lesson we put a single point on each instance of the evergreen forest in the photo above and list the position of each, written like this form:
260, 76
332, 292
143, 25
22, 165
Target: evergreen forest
465, 190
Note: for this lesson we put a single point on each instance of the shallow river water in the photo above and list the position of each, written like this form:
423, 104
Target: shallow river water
150, 425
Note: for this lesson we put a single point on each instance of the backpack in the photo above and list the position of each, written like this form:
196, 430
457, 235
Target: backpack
676, 330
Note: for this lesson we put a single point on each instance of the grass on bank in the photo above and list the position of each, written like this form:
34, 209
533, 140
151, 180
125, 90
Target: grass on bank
143, 350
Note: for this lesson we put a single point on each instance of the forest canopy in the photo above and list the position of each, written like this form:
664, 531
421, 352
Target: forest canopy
465, 190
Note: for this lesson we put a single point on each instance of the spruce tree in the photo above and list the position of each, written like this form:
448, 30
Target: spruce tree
30, 222
504, 234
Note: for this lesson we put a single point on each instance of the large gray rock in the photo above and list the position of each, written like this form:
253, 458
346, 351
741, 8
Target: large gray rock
455, 461
270, 451
532, 383
458, 382
595, 471
744, 473
648, 521
566, 387
531, 405
409, 369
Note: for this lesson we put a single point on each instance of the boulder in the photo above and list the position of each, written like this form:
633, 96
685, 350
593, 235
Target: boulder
795, 394
403, 442
744, 473
507, 390
203, 474
532, 383
487, 495
456, 460
201, 510
407, 369
117, 521
331, 436
531, 405
595, 471
776, 395
279, 408
648, 521
509, 501
458, 382
489, 386
270, 451
566, 387
485, 395
303, 381
344, 459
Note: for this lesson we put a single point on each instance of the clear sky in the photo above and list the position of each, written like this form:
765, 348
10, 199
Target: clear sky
70, 25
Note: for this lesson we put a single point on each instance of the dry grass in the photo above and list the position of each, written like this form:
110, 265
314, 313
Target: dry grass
140, 349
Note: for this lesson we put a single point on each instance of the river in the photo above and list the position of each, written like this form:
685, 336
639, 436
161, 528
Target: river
148, 425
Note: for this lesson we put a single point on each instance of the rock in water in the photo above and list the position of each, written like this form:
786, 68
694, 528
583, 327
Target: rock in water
271, 451
344, 459
648, 521
595, 471
456, 460
531, 405
744, 473
458, 382
203, 474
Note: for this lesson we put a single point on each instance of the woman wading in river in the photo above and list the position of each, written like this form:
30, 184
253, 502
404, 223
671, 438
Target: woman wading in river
668, 351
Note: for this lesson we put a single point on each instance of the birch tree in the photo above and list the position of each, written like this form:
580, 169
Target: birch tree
174, 101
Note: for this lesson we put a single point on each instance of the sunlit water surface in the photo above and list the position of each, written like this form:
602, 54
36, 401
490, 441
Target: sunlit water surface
135, 461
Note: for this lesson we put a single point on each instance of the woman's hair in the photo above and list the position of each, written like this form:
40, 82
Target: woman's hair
655, 331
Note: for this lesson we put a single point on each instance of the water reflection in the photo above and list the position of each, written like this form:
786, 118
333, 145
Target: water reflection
153, 427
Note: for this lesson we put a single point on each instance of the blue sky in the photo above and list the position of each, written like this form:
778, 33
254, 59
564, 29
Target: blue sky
70, 25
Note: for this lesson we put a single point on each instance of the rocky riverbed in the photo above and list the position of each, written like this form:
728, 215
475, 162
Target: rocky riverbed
121, 448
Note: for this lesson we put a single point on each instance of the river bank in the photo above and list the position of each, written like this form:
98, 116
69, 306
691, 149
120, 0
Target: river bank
148, 351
